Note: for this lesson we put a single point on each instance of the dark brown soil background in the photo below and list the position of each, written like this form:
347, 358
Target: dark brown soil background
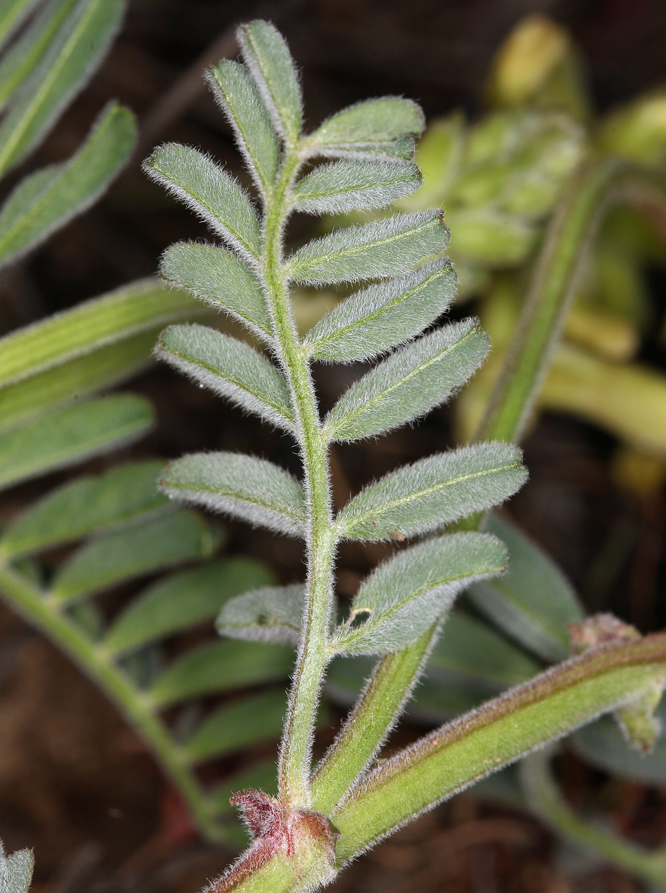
75, 782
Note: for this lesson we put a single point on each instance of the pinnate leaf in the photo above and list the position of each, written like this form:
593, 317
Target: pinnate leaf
534, 602
210, 192
16, 871
373, 125
373, 251
240, 99
73, 54
221, 666
407, 594
345, 186
71, 435
267, 55
252, 489
409, 383
86, 506
432, 492
219, 279
182, 600
237, 726
383, 315
230, 368
144, 548
271, 614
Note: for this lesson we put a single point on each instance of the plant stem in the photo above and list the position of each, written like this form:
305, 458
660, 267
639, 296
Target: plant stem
97, 663
500, 732
295, 751
545, 798
568, 240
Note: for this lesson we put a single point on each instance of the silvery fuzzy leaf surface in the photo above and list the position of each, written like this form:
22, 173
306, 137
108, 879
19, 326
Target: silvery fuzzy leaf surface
252, 489
219, 279
86, 506
402, 148
239, 97
230, 368
409, 383
182, 600
372, 122
344, 186
209, 191
373, 251
16, 871
271, 614
267, 55
407, 594
434, 491
383, 315
534, 603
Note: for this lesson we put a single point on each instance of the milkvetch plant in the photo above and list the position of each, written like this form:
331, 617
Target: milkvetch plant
360, 159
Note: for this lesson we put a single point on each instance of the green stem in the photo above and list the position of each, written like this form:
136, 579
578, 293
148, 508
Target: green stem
545, 798
566, 246
98, 664
502, 731
295, 751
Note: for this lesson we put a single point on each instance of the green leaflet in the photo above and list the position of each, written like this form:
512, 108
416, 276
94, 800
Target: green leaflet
373, 125
139, 307
432, 492
345, 186
236, 726
104, 367
210, 192
70, 435
47, 199
16, 871
271, 614
267, 56
252, 489
534, 602
409, 383
26, 51
12, 15
221, 666
86, 506
406, 595
257, 141
219, 279
373, 251
182, 600
75, 51
229, 368
383, 315
144, 548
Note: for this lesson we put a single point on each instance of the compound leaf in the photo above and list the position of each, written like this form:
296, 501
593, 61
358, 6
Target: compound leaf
221, 666
230, 368
377, 318
534, 602
86, 506
432, 492
49, 198
211, 193
73, 54
409, 383
16, 871
271, 614
71, 435
237, 726
219, 279
239, 97
373, 251
407, 594
267, 55
182, 600
252, 489
144, 548
345, 186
